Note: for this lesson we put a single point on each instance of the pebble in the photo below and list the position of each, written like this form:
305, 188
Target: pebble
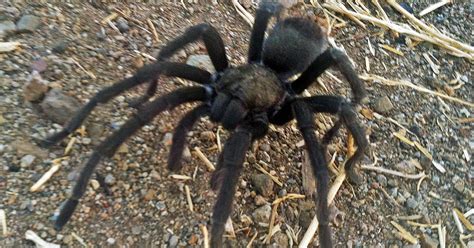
122, 25
86, 141
187, 154
382, 180
7, 27
459, 186
173, 242
58, 106
27, 160
150, 195
111, 241
260, 200
167, 139
406, 166
207, 136
411, 203
136, 229
262, 214
263, 184
281, 240
201, 61
28, 23
60, 47
383, 105
109, 179
428, 242
35, 89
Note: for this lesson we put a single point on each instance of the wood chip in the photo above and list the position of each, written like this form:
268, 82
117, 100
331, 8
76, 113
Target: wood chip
79, 239
180, 177
153, 30
9, 46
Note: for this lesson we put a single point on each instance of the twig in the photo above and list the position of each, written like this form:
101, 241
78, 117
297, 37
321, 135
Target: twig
422, 225
272, 223
261, 169
433, 194
430, 30
404, 233
68, 148
434, 7
180, 177
381, 10
313, 227
390, 197
153, 30
379, 79
188, 197
3, 222
391, 49
393, 172
442, 235
205, 233
218, 138
398, 28
249, 245
418, 185
90, 74
243, 13
206, 161
45, 177
39, 242
457, 221
79, 239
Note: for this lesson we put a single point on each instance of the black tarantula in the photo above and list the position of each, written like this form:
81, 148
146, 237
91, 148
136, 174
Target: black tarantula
244, 99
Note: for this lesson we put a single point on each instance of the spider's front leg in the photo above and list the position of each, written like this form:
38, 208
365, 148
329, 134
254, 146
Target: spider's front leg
348, 117
112, 143
332, 56
305, 120
212, 41
143, 75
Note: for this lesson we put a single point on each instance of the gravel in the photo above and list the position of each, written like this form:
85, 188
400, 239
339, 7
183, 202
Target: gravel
63, 31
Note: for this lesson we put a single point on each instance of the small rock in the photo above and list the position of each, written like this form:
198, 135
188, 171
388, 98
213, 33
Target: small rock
260, 200
382, 180
28, 23
281, 240
7, 27
58, 106
262, 214
137, 62
35, 89
168, 139
86, 141
27, 160
265, 147
60, 47
122, 25
412, 203
173, 242
187, 154
263, 184
95, 184
246, 3
150, 195
406, 166
201, 61
136, 229
459, 186
109, 179
383, 105
111, 241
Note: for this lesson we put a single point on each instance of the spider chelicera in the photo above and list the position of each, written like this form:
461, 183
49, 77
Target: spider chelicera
245, 99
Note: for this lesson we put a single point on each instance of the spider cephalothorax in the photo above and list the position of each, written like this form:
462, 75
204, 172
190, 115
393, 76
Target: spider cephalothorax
244, 99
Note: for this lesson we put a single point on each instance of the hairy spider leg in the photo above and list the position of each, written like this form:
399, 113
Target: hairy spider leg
331, 56
212, 41
113, 142
230, 165
306, 125
264, 12
180, 133
338, 105
143, 75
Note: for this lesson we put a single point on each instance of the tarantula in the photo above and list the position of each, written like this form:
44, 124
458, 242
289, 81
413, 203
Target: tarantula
245, 99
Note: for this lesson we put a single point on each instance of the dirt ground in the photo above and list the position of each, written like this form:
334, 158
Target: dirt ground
78, 54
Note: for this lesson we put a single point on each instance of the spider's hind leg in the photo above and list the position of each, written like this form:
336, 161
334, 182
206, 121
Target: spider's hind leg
213, 43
